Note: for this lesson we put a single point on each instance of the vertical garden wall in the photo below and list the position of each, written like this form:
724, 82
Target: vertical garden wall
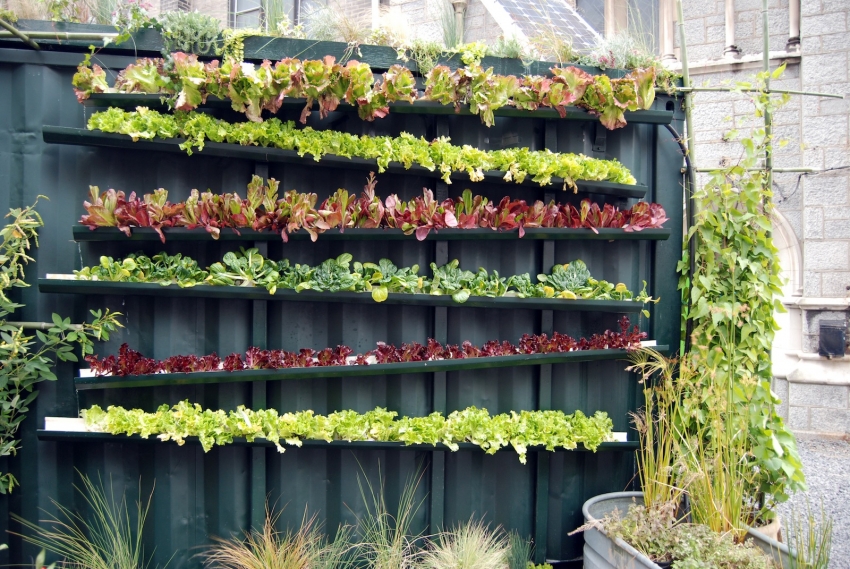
44, 150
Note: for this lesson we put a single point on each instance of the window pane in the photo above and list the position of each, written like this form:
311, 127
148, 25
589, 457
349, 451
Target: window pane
242, 5
248, 20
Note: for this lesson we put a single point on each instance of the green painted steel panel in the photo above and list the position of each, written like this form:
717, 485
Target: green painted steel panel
201, 495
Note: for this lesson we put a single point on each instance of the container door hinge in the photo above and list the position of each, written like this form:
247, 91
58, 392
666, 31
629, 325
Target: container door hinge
599, 138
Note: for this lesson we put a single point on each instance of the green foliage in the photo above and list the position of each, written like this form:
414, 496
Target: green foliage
810, 537
8, 15
191, 32
549, 429
425, 53
509, 47
110, 539
519, 552
249, 268
472, 545
731, 298
658, 424
386, 538
306, 548
28, 360
655, 533
253, 89
439, 154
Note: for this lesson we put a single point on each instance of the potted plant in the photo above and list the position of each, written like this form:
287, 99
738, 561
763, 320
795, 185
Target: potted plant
676, 460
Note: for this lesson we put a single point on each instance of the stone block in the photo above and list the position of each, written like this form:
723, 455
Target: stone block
813, 225
712, 116
815, 395
836, 229
837, 156
810, 343
814, 158
826, 255
693, 10
837, 213
825, 189
811, 107
822, 24
834, 284
835, 107
825, 68
834, 7
714, 32
789, 132
834, 42
825, 131
811, 7
703, 136
790, 157
829, 420
705, 51
695, 32
780, 388
811, 283
798, 418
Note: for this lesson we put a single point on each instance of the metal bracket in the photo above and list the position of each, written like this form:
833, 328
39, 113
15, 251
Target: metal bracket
599, 138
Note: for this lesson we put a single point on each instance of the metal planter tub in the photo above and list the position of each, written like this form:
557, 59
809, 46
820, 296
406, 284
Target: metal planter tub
601, 552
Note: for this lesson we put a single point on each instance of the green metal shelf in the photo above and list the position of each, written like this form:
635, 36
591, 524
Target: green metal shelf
83, 233
259, 293
83, 437
216, 377
84, 137
154, 101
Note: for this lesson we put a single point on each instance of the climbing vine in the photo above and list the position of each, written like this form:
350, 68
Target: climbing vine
730, 301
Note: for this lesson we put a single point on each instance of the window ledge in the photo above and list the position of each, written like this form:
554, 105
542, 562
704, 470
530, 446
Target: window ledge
814, 303
753, 61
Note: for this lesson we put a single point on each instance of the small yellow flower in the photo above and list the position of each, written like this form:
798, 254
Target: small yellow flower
567, 294
548, 291
621, 288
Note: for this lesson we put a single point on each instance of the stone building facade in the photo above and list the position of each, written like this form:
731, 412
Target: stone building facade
812, 226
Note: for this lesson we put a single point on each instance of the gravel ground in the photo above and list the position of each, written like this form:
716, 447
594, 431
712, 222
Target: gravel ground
827, 467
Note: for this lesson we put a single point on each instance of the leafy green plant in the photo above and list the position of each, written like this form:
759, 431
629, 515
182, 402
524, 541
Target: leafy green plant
519, 552
252, 89
656, 533
810, 538
268, 548
548, 429
248, 268
28, 360
110, 539
439, 154
658, 425
731, 297
191, 32
386, 539
472, 545
509, 47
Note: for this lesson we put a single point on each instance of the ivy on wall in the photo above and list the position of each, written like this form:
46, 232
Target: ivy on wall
730, 299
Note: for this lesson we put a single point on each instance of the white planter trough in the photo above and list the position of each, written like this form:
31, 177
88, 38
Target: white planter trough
601, 552
72, 424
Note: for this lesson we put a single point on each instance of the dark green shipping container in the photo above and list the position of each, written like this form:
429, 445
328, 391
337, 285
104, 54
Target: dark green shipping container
199, 495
